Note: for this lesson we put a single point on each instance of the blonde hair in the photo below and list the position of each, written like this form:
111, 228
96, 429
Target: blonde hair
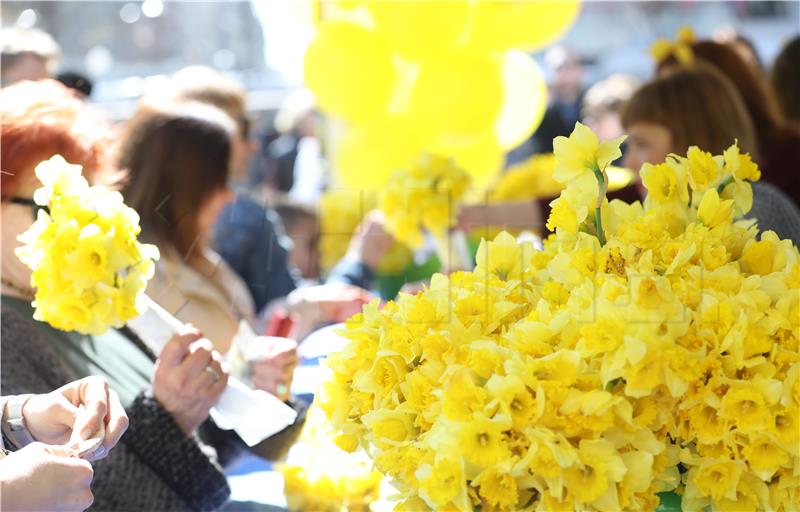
206, 85
609, 95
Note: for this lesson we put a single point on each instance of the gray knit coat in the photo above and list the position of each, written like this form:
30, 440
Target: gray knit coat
774, 210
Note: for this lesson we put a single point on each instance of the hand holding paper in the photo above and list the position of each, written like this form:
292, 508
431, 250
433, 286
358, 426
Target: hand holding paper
254, 414
189, 378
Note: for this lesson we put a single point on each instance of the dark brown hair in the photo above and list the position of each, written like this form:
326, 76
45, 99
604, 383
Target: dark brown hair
757, 97
778, 142
176, 157
786, 80
698, 106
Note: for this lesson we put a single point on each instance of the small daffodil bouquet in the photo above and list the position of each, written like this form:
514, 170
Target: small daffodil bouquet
88, 267
341, 211
423, 197
320, 476
533, 179
649, 348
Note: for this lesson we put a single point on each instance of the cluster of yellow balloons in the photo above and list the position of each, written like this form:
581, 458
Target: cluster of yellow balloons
449, 77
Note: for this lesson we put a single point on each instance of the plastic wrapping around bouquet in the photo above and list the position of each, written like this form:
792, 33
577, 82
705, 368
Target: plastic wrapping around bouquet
253, 414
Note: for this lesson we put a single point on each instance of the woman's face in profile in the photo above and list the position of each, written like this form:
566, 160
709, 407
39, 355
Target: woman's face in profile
647, 143
211, 209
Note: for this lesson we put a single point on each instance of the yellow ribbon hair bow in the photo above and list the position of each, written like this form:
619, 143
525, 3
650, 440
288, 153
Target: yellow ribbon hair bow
681, 48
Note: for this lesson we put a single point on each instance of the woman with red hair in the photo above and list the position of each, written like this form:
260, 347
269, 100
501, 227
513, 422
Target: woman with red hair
160, 464
42, 119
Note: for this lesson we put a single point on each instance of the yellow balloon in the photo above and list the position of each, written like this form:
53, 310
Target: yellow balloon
525, 99
523, 24
368, 154
457, 93
414, 27
481, 156
350, 71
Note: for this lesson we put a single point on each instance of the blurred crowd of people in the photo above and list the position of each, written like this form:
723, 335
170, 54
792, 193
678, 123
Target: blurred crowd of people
233, 214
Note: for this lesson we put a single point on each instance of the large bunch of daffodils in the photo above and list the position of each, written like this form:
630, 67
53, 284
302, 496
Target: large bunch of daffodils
89, 269
423, 197
649, 347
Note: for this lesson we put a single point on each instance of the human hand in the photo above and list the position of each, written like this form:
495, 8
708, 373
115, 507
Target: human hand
77, 411
327, 303
189, 378
45, 477
273, 365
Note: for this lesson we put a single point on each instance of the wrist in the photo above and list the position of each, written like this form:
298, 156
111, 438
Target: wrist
14, 424
183, 421
186, 424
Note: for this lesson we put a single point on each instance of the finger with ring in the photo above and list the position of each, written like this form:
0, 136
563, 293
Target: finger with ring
215, 375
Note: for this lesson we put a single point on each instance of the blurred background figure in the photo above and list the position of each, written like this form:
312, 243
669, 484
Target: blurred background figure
566, 89
27, 54
302, 226
566, 93
292, 158
603, 102
786, 80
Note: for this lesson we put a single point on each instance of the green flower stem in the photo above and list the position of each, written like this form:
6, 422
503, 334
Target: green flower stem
602, 183
599, 225
727, 181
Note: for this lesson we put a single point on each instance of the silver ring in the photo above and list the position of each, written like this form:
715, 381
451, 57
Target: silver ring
214, 373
